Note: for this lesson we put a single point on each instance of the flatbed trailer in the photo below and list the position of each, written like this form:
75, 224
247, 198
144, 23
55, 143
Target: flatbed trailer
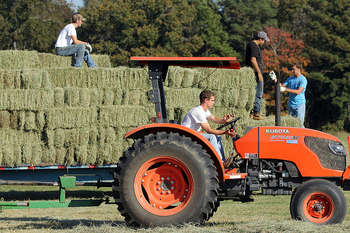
64, 177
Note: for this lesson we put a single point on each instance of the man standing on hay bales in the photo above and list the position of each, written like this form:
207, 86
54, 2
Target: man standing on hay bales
67, 43
295, 86
253, 59
197, 119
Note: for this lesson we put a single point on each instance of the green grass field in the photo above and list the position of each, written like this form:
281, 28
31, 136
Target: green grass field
265, 214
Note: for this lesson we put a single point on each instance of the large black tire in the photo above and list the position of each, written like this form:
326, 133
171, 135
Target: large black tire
318, 201
144, 182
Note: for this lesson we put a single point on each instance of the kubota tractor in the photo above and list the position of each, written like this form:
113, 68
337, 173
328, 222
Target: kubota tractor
173, 175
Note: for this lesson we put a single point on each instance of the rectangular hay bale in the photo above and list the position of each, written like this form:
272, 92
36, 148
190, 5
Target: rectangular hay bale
19, 99
123, 115
19, 59
71, 117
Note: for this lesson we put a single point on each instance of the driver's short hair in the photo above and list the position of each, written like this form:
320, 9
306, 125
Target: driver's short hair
77, 16
206, 94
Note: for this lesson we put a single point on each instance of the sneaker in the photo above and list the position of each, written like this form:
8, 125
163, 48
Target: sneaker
257, 116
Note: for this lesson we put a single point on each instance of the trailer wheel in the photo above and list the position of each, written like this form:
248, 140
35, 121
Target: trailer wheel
318, 201
165, 179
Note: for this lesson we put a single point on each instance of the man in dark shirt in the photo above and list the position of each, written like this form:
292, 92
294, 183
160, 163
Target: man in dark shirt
253, 59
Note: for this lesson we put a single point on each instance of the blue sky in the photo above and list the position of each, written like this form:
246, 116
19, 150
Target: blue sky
77, 3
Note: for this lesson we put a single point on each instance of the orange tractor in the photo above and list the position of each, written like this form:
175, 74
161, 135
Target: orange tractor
173, 175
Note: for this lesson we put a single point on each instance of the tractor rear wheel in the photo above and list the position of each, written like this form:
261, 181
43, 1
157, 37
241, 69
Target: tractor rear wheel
318, 201
165, 179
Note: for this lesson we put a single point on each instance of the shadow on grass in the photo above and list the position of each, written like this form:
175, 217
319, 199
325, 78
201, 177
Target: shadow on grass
51, 195
51, 223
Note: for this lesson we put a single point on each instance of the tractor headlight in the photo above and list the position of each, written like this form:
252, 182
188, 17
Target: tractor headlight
336, 147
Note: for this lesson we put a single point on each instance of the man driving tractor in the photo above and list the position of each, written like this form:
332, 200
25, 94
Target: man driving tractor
197, 119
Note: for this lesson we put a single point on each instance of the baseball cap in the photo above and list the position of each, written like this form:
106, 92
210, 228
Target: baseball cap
263, 35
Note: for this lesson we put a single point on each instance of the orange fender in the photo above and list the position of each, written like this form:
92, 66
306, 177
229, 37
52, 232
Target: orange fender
346, 174
182, 130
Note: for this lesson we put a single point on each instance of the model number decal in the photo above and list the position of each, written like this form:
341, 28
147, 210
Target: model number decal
251, 155
284, 138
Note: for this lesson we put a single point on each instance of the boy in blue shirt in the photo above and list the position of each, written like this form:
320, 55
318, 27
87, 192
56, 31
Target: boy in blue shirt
295, 86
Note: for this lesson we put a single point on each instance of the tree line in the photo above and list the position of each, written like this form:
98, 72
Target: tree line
313, 32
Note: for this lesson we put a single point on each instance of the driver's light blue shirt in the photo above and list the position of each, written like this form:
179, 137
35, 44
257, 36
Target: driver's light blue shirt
294, 83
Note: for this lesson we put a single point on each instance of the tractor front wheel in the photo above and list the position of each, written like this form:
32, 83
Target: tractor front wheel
318, 201
165, 179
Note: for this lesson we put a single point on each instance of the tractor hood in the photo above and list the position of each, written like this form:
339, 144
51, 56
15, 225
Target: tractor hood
313, 152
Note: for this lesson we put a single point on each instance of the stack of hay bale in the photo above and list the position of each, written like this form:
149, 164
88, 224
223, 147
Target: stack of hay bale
52, 113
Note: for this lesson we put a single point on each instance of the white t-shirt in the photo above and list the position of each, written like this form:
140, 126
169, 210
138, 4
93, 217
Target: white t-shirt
65, 37
195, 117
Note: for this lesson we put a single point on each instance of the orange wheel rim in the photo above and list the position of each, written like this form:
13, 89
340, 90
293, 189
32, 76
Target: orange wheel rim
318, 207
163, 186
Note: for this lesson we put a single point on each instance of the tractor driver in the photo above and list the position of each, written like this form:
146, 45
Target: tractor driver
197, 119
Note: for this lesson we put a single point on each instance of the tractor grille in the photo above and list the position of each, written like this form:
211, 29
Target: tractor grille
328, 158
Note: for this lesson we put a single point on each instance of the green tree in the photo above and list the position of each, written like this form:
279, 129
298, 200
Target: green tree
243, 18
32, 24
328, 102
125, 28
322, 25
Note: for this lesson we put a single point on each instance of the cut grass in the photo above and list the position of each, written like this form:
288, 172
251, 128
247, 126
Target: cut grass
265, 214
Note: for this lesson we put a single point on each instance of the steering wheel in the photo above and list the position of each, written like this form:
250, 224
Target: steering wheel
232, 123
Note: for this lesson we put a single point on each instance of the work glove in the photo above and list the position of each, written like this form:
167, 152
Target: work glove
273, 75
282, 89
88, 46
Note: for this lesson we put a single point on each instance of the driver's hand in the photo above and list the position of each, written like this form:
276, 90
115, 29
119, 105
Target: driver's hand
228, 117
231, 133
